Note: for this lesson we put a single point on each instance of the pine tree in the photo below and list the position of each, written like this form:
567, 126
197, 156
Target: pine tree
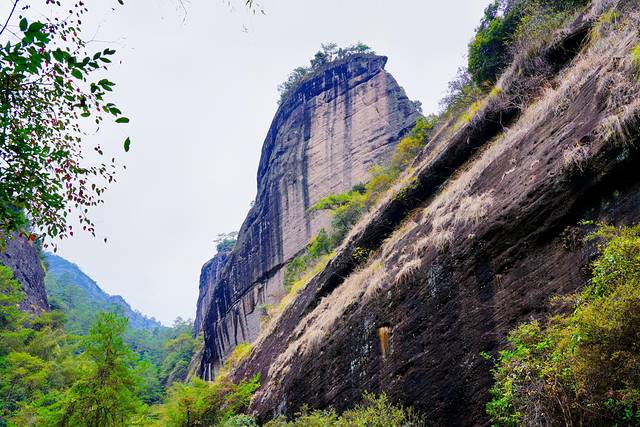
108, 395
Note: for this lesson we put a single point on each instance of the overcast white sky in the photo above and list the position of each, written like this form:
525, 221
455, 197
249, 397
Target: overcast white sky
200, 89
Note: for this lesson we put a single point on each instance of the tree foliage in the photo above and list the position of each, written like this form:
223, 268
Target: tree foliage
329, 52
374, 411
579, 368
106, 395
511, 26
51, 378
52, 92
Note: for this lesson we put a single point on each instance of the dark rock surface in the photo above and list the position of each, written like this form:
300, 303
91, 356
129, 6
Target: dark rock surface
325, 136
209, 276
486, 233
21, 255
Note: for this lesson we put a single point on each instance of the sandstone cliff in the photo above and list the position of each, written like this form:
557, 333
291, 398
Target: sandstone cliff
209, 276
486, 231
21, 255
327, 133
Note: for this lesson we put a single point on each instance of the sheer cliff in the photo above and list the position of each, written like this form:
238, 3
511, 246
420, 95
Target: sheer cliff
484, 230
22, 256
327, 133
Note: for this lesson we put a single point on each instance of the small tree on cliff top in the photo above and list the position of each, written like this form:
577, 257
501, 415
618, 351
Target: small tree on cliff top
328, 53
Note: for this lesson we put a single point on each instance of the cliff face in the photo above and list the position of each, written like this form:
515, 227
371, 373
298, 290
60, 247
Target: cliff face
325, 136
487, 231
209, 276
22, 257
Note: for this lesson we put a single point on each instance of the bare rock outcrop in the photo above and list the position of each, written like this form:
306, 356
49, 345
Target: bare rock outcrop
22, 256
326, 135
487, 231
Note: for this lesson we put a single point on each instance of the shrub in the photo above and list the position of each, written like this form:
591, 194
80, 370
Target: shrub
411, 145
635, 56
522, 25
581, 367
375, 411
488, 52
462, 91
241, 421
328, 53
200, 403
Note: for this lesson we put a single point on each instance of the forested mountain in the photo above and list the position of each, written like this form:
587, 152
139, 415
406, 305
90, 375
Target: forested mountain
80, 297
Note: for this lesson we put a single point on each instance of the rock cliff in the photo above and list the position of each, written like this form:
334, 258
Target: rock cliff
22, 256
326, 134
487, 230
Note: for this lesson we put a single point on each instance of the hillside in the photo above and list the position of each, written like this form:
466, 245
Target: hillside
479, 234
80, 298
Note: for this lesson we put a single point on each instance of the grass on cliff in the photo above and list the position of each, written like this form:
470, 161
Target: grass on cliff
375, 411
580, 367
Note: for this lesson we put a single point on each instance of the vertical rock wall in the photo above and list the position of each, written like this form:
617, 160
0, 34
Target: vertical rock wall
22, 257
325, 136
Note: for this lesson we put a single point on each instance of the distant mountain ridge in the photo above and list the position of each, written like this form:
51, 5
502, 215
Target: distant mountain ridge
80, 297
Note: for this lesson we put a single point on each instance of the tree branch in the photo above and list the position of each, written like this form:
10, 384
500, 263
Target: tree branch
13, 9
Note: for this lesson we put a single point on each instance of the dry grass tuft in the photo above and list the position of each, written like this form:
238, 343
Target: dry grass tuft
408, 272
312, 330
474, 208
575, 157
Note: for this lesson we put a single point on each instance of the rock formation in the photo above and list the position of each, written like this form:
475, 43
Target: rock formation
489, 229
327, 133
22, 256
209, 276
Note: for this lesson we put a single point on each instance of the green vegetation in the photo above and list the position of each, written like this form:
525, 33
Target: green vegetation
201, 403
580, 367
488, 52
51, 378
53, 90
167, 351
225, 242
107, 393
375, 411
328, 53
522, 25
635, 56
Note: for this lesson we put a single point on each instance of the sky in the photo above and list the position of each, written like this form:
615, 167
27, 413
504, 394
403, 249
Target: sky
198, 80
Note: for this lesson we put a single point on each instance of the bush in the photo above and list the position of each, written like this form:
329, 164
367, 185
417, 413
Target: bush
635, 56
375, 411
523, 25
581, 367
328, 53
200, 403
488, 52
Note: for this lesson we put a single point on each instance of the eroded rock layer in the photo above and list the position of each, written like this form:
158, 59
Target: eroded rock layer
326, 135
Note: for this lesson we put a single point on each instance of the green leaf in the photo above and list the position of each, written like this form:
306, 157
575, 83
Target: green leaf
36, 27
122, 120
76, 73
58, 55
23, 24
127, 144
